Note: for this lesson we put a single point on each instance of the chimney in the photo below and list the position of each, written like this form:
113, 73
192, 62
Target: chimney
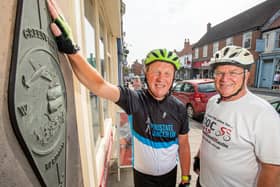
208, 26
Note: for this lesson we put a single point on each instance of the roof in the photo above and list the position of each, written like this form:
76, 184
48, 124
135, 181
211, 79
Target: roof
251, 19
186, 50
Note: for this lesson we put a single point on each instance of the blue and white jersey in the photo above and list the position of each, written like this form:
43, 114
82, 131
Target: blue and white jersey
155, 129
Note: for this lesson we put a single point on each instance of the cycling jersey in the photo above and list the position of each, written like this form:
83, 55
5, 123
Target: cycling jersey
155, 129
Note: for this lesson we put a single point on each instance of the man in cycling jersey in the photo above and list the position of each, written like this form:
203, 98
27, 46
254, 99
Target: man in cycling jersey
159, 123
241, 132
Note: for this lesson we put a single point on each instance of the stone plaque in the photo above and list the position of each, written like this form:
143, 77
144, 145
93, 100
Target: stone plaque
37, 93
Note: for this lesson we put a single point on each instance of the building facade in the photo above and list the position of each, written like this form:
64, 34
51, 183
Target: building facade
185, 56
244, 30
89, 126
269, 62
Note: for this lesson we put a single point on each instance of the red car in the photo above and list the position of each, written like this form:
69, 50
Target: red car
195, 95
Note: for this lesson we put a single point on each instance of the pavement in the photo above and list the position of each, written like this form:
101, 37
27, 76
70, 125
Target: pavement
265, 91
126, 174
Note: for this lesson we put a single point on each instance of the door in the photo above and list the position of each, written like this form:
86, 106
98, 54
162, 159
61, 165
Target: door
266, 74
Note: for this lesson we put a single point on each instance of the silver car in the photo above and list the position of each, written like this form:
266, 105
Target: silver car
275, 102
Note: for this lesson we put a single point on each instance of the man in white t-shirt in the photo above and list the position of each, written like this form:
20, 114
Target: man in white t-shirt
241, 132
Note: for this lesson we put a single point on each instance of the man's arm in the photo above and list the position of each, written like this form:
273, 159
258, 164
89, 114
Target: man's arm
184, 155
87, 75
269, 175
92, 79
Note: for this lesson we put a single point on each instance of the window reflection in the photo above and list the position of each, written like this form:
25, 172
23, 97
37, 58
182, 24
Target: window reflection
103, 70
90, 52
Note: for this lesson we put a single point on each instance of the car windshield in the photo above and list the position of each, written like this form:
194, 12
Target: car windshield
206, 87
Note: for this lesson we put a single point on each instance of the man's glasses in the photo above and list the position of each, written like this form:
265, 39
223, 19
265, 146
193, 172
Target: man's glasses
232, 74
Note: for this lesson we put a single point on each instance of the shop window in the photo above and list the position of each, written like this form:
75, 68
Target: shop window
91, 58
277, 66
104, 72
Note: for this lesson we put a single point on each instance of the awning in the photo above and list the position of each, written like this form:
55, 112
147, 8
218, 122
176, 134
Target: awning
196, 65
201, 65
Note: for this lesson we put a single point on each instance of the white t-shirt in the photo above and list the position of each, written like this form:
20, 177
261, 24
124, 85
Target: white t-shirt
276, 77
236, 134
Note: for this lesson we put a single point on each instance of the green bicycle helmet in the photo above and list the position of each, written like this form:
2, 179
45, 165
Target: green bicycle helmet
163, 55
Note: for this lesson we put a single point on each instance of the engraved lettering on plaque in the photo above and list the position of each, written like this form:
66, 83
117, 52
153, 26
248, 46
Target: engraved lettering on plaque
23, 109
37, 94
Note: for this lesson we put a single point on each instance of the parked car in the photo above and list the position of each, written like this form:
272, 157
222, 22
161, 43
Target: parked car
195, 95
275, 102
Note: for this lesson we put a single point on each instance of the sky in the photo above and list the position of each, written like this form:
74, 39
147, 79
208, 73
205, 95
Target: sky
151, 24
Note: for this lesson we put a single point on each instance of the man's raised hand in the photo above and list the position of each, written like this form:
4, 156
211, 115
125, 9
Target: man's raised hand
61, 30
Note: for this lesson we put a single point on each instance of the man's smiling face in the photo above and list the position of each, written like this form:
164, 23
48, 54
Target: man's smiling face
159, 77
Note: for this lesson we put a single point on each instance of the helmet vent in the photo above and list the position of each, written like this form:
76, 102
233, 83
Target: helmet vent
246, 54
155, 54
217, 55
233, 55
169, 54
176, 58
161, 52
226, 51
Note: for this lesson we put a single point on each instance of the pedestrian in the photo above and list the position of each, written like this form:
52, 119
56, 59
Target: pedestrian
276, 78
136, 83
241, 132
160, 125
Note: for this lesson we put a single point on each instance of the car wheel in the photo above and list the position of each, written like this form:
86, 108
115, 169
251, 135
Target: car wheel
190, 111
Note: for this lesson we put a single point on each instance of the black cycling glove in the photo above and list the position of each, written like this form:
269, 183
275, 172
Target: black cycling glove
196, 164
65, 42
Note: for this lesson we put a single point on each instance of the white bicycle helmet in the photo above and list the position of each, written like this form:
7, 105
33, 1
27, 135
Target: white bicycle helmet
232, 55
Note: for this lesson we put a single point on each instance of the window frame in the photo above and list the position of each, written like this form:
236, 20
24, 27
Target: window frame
196, 52
247, 37
94, 101
229, 41
205, 51
215, 47
277, 38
